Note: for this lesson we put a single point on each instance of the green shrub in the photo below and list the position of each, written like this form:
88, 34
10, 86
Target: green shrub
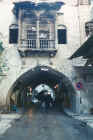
1, 47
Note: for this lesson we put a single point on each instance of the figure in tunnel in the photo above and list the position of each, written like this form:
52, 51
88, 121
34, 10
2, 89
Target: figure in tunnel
48, 100
45, 98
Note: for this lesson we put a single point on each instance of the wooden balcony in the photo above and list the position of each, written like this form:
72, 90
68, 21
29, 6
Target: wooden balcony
30, 47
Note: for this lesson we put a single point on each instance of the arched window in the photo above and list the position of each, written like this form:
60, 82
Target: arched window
62, 34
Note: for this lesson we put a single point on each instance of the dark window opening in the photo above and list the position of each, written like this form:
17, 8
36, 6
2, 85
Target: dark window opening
89, 28
62, 36
13, 36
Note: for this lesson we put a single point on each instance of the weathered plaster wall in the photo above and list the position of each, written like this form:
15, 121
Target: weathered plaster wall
74, 18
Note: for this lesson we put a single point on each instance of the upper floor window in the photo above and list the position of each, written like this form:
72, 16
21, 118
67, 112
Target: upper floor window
62, 34
13, 34
37, 33
84, 2
89, 28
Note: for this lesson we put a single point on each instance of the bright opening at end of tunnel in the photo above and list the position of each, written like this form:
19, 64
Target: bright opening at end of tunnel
41, 89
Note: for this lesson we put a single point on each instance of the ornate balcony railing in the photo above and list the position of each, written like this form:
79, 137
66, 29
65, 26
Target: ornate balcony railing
31, 44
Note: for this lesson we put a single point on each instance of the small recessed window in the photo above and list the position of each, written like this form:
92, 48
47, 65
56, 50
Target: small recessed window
13, 34
89, 28
62, 35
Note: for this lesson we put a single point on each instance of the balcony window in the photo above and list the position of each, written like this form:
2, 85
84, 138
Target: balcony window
37, 34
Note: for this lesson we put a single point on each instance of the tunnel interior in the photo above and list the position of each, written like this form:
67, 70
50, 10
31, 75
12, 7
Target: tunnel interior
27, 85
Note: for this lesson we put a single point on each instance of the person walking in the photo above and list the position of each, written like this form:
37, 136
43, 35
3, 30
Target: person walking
48, 100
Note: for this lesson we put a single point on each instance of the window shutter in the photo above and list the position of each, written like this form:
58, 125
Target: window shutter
13, 36
62, 36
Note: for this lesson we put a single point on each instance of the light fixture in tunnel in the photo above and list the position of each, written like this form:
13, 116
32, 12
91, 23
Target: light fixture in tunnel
30, 90
56, 86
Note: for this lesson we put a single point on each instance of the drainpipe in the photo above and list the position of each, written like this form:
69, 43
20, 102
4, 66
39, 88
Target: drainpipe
20, 28
38, 46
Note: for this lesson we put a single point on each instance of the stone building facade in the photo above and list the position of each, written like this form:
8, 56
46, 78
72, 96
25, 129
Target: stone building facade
47, 51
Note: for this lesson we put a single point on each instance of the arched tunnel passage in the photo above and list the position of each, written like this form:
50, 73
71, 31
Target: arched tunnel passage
58, 83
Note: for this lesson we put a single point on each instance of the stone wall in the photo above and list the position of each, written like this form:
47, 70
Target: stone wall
74, 18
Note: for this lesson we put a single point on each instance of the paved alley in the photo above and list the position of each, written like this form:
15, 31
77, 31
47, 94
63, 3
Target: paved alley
36, 124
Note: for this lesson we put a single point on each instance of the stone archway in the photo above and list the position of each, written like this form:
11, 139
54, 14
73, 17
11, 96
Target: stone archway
45, 75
